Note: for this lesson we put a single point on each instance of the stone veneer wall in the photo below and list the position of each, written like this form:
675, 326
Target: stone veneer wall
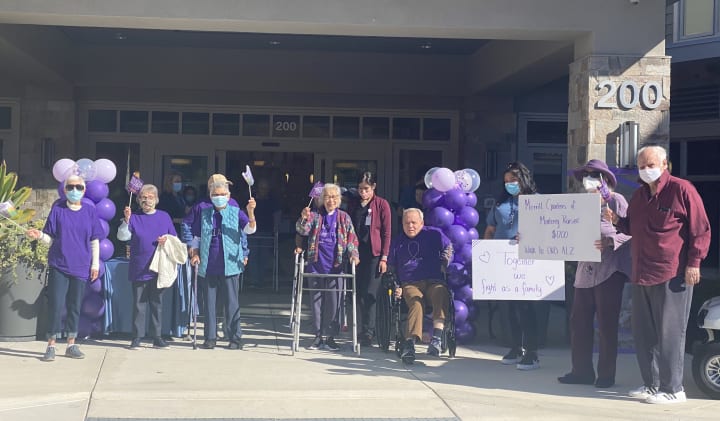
594, 132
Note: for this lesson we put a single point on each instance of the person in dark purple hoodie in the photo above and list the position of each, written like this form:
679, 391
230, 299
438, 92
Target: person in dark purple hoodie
73, 231
146, 231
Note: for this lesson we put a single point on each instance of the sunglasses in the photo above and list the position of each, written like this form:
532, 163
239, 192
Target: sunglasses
78, 187
593, 174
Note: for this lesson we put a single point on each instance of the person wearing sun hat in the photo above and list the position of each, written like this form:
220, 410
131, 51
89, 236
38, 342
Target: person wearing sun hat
73, 232
599, 286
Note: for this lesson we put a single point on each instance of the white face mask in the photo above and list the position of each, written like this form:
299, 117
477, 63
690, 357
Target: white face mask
591, 184
649, 175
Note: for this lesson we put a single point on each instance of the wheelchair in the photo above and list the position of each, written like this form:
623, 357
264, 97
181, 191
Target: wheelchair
392, 314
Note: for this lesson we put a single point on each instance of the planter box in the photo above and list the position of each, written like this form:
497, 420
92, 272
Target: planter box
21, 302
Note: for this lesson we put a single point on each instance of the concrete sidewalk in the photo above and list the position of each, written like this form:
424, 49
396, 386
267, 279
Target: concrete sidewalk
265, 381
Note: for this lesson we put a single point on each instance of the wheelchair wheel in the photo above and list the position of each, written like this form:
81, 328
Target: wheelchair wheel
383, 321
449, 343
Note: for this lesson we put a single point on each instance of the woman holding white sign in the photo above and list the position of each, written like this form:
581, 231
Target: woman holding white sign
599, 287
502, 223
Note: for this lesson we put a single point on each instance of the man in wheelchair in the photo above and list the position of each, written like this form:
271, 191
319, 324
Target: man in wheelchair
419, 257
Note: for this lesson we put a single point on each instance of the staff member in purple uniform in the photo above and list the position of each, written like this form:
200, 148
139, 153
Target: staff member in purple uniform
331, 240
73, 232
372, 218
217, 249
419, 258
145, 232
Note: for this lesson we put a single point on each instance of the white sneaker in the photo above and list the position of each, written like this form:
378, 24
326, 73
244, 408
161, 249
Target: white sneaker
643, 392
663, 398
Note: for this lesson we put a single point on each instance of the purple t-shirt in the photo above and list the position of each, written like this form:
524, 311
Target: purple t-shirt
419, 258
327, 244
72, 232
145, 229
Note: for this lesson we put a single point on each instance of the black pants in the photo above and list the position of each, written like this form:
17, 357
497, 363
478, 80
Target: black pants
659, 323
146, 295
523, 325
64, 291
368, 283
226, 290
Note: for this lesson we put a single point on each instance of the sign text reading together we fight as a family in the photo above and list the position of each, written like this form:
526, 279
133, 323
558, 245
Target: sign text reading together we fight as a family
559, 226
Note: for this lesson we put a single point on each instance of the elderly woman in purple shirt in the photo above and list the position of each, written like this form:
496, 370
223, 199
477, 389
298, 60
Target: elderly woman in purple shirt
599, 287
331, 240
146, 231
73, 231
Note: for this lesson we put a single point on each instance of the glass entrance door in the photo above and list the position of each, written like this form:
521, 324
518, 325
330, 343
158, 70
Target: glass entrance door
346, 169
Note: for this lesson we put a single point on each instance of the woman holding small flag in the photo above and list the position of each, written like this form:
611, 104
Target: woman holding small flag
599, 286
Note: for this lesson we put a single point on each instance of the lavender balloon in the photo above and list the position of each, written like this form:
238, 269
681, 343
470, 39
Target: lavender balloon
441, 217
471, 199
474, 234
464, 254
62, 169
431, 198
454, 199
443, 179
96, 190
106, 249
105, 209
469, 216
105, 169
458, 235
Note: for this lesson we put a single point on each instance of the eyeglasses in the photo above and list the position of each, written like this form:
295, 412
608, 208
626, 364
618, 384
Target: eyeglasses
78, 187
335, 197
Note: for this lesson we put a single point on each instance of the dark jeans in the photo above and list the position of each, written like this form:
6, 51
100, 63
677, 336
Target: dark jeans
64, 291
659, 323
603, 300
226, 289
368, 283
523, 325
146, 294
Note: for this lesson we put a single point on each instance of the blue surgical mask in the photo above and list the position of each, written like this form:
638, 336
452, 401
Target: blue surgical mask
513, 188
74, 196
177, 187
220, 201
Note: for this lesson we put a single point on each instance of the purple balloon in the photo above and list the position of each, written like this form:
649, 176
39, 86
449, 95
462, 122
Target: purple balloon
464, 294
454, 199
106, 249
458, 235
62, 169
464, 332
95, 286
456, 279
96, 190
105, 209
471, 199
454, 268
461, 312
464, 254
431, 198
93, 306
473, 234
105, 227
87, 202
441, 217
469, 216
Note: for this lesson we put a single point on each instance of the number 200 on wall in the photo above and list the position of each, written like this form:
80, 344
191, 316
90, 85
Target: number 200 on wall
629, 95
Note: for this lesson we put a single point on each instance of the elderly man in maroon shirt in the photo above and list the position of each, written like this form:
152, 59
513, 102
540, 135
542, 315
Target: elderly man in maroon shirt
671, 236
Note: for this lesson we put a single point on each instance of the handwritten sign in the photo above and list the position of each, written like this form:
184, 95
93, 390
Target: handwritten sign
499, 274
559, 226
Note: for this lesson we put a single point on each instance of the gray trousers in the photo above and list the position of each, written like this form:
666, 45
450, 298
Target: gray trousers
147, 294
326, 305
659, 322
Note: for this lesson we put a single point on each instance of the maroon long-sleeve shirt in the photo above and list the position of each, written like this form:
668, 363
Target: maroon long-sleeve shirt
670, 230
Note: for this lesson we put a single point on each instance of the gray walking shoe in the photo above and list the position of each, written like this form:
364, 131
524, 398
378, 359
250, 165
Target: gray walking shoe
49, 354
73, 351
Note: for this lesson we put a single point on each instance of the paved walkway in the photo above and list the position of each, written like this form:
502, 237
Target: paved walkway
265, 381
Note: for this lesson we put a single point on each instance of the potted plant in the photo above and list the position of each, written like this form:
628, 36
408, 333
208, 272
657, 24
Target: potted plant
22, 262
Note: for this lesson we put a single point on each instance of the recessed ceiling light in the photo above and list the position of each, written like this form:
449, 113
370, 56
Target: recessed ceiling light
119, 36
274, 42
426, 46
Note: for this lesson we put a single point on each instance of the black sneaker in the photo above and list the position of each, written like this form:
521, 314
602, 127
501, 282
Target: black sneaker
435, 346
529, 361
330, 345
572, 378
366, 339
158, 342
316, 343
209, 344
408, 352
135, 344
235, 345
512, 357
49, 354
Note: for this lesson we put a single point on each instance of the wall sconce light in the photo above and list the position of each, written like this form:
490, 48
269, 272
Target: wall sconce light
629, 134
47, 152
